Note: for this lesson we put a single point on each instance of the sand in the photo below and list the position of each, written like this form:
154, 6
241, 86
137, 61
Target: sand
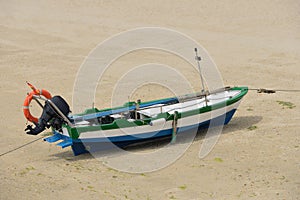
254, 43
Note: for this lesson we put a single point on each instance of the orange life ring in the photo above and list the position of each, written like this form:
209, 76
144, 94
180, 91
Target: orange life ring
27, 101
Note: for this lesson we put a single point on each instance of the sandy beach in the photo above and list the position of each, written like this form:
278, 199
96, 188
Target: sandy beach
253, 43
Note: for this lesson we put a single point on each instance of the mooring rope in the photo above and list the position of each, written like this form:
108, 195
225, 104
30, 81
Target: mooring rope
269, 91
28, 143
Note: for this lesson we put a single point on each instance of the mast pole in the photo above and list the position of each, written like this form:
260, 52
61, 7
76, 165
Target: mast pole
198, 58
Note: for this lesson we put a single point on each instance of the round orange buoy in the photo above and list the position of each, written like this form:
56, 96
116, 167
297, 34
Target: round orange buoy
28, 99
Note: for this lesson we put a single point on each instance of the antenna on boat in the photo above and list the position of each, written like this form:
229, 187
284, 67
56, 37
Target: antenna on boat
198, 58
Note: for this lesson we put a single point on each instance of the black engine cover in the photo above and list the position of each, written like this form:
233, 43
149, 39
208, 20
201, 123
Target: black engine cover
50, 117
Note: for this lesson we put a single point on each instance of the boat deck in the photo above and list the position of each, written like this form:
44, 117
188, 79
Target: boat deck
185, 106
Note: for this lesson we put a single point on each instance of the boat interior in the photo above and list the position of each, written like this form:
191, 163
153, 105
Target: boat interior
146, 110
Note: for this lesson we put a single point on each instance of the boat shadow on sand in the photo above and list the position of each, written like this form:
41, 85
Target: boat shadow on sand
238, 124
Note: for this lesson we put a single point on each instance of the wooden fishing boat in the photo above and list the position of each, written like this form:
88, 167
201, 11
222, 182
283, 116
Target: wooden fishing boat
140, 121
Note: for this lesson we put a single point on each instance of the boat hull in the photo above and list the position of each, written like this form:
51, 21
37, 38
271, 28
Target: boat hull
98, 144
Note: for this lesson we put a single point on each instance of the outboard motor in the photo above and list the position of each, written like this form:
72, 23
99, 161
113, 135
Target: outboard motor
50, 117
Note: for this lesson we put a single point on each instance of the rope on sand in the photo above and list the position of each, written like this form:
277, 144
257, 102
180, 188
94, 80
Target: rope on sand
269, 91
28, 143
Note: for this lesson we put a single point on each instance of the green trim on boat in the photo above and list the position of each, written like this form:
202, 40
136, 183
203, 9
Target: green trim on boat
124, 123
